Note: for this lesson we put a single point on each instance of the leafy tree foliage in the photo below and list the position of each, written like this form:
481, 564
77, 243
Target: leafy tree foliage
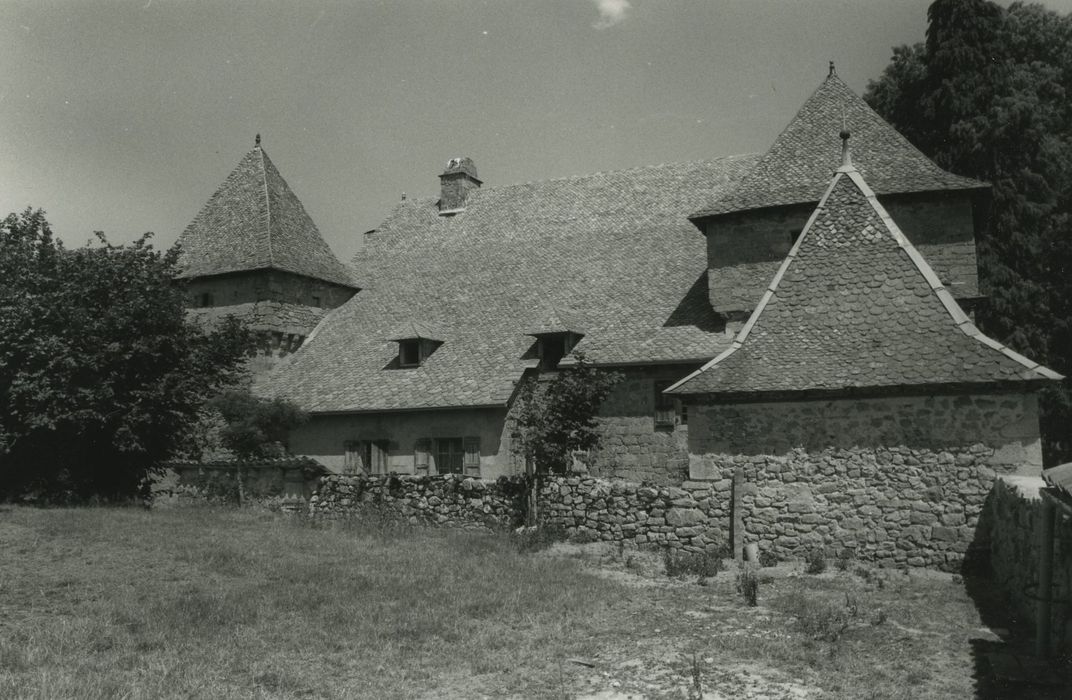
256, 427
101, 377
989, 95
553, 418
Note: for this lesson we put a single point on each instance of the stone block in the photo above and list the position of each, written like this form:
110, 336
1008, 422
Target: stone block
684, 517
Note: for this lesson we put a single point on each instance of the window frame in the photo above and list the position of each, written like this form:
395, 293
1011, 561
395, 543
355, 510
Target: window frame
667, 409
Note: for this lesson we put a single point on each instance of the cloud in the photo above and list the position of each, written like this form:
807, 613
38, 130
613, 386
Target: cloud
611, 12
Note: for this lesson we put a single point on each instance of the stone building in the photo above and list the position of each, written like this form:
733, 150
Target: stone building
652, 271
859, 402
253, 252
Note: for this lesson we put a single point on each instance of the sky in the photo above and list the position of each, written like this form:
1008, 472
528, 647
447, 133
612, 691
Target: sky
125, 117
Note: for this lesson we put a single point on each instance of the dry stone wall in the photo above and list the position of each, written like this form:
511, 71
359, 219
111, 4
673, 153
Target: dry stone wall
691, 517
897, 481
1012, 520
448, 500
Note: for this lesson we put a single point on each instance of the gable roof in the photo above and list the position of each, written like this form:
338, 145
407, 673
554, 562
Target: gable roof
612, 253
797, 167
254, 221
855, 306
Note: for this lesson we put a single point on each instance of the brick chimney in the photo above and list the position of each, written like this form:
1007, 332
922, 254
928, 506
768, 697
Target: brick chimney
455, 184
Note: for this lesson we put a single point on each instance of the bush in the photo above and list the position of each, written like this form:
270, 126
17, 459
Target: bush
815, 562
748, 585
535, 539
680, 564
844, 559
767, 558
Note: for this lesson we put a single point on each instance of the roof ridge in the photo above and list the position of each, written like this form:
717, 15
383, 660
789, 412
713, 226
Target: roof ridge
267, 206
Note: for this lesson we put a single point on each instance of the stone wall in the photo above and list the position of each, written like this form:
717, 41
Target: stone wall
268, 481
631, 446
744, 250
1012, 520
693, 517
897, 481
266, 285
584, 508
448, 500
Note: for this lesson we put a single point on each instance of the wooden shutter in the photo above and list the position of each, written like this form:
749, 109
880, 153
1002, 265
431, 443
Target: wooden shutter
664, 405
422, 450
472, 455
378, 457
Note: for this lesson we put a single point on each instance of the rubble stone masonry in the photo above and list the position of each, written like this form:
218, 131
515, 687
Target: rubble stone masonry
897, 481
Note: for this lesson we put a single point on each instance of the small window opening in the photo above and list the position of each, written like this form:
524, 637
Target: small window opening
552, 347
794, 234
669, 411
409, 353
205, 299
316, 301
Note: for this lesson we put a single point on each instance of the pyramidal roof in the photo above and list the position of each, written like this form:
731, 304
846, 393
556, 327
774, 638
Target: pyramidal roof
855, 306
254, 221
797, 166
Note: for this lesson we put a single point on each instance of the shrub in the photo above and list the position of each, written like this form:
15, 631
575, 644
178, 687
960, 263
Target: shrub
844, 559
535, 539
748, 585
821, 618
767, 558
815, 561
680, 564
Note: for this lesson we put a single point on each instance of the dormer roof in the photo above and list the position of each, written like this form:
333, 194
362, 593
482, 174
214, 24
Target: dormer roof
254, 221
414, 330
797, 167
855, 307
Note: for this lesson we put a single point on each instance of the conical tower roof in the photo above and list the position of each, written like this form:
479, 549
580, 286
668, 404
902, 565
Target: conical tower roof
797, 167
254, 221
854, 306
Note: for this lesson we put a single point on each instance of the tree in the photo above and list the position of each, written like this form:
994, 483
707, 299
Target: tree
101, 376
554, 418
989, 95
256, 427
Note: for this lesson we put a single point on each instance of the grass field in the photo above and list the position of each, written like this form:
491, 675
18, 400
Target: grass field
201, 602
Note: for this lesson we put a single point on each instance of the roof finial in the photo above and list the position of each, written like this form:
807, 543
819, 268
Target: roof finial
832, 70
846, 154
257, 141
403, 196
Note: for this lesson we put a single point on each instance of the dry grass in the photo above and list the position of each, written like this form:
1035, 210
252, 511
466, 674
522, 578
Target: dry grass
199, 602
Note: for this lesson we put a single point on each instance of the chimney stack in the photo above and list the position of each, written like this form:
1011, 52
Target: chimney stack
455, 184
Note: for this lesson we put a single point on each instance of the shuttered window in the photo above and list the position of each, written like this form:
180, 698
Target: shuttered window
449, 456
365, 457
353, 457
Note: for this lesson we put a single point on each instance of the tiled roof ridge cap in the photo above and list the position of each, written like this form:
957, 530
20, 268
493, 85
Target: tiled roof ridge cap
422, 200
267, 204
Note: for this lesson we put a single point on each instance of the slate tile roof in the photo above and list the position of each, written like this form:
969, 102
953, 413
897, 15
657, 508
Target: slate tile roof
797, 167
611, 252
276, 316
254, 221
854, 305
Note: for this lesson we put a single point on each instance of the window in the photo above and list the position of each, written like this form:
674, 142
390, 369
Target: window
365, 457
794, 234
665, 406
409, 353
449, 456
412, 352
316, 301
205, 299
552, 347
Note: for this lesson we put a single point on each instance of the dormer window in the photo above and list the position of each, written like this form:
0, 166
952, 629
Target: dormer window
416, 343
552, 347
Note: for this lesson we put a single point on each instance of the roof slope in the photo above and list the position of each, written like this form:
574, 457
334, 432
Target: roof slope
254, 221
612, 253
853, 306
797, 167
